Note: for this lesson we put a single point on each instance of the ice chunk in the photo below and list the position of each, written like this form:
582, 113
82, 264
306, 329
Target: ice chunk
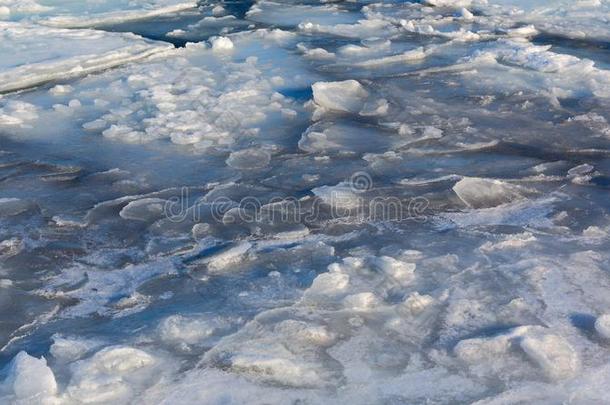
80, 15
249, 159
184, 332
218, 11
30, 379
270, 12
277, 366
69, 349
369, 28
537, 67
222, 44
49, 54
318, 53
602, 326
475, 351
401, 272
448, 3
226, 257
198, 97
341, 196
284, 352
406, 57
341, 138
537, 57
111, 374
361, 302
328, 284
581, 170
553, 354
97, 290
17, 113
582, 19
13, 206
61, 89
145, 209
485, 193
547, 351
347, 96
415, 304
466, 14
306, 334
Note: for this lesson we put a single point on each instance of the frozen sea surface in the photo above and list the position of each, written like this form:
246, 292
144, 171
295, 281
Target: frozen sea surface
304, 202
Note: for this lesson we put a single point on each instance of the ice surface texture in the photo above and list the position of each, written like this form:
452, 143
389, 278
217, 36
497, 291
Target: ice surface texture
34, 55
80, 14
311, 202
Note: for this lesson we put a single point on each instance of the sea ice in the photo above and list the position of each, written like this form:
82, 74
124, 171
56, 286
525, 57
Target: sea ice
602, 326
486, 193
111, 374
124, 222
346, 96
41, 54
29, 380
79, 15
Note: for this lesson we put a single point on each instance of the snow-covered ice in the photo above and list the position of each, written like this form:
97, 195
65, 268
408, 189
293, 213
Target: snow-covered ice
77, 14
34, 55
304, 202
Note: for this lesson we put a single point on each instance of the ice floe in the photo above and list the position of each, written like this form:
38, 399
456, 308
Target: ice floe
41, 55
79, 15
189, 224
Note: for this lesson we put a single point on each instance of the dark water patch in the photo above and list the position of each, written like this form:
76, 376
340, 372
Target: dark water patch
550, 155
237, 8
589, 48
300, 94
158, 28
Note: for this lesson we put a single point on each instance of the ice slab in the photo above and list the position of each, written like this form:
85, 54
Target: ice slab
495, 293
76, 14
346, 96
29, 379
41, 54
289, 14
581, 19
199, 96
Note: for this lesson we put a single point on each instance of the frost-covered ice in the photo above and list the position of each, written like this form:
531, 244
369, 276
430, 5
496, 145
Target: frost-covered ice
78, 14
332, 202
34, 55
